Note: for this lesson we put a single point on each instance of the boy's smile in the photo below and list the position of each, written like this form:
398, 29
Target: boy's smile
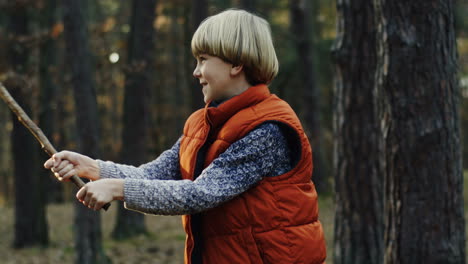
220, 80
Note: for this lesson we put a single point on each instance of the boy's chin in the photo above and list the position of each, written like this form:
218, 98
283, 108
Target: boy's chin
208, 98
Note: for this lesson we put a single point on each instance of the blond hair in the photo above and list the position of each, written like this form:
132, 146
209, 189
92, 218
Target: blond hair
241, 38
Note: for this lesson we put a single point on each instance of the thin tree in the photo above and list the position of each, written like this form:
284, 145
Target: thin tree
177, 60
49, 90
359, 226
30, 220
5, 175
418, 94
249, 5
302, 32
88, 239
199, 11
135, 134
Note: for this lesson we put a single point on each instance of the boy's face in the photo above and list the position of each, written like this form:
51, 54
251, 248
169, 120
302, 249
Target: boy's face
215, 75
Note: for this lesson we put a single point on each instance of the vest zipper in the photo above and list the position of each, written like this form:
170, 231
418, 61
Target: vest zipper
199, 162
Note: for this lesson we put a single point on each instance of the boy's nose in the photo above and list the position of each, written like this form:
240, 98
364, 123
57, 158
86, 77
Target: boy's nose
196, 72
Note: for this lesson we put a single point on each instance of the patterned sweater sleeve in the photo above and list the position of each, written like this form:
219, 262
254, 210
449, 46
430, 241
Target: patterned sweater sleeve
165, 167
263, 152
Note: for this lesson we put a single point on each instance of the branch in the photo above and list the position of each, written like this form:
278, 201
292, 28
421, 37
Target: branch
26, 121
35, 130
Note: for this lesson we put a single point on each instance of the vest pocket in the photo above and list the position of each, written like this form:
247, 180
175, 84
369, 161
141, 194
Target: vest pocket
251, 247
235, 248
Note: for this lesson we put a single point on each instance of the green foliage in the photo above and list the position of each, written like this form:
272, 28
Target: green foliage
461, 22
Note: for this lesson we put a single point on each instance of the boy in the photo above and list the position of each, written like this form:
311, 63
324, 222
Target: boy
240, 173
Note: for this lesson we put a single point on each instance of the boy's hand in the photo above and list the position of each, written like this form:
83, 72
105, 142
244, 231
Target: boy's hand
96, 194
65, 164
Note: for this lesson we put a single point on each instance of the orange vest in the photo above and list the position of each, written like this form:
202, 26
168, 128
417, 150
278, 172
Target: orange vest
276, 221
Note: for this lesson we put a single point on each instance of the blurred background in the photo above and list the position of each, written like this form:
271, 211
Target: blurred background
140, 75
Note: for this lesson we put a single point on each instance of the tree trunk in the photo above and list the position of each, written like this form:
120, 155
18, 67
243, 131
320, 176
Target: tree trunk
30, 220
48, 95
302, 32
417, 84
5, 155
135, 134
461, 31
249, 5
199, 11
177, 60
358, 178
88, 229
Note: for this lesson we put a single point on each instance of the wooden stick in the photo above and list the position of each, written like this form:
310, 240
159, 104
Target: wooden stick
36, 131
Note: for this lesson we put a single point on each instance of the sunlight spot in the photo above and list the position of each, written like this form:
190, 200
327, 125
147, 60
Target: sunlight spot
114, 57
464, 86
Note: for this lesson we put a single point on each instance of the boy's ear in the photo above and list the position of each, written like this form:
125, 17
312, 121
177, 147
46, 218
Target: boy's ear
236, 69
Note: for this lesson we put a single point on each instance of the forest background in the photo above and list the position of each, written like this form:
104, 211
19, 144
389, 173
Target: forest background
156, 58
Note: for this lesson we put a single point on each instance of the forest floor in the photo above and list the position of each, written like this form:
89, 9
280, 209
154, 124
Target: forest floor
163, 244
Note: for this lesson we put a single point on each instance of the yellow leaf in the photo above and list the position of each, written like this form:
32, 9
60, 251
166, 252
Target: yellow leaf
57, 29
108, 25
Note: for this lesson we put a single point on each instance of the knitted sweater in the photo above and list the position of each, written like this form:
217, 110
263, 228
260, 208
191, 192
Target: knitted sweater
156, 187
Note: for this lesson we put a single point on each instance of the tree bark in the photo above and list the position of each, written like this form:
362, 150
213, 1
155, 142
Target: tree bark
199, 11
358, 177
177, 61
30, 220
249, 5
48, 95
135, 134
302, 31
5, 174
88, 240
418, 102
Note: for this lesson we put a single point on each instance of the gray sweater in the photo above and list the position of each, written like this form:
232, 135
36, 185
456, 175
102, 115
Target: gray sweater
157, 188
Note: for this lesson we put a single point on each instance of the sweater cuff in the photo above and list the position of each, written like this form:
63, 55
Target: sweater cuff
107, 170
133, 193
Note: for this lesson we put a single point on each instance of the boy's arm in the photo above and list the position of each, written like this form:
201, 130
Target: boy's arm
263, 152
165, 167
